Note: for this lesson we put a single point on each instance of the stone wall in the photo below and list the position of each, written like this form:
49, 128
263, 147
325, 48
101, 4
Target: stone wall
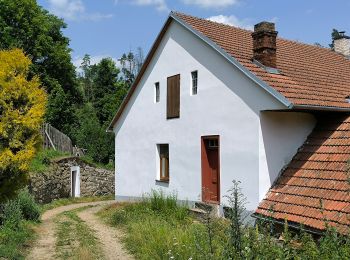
55, 183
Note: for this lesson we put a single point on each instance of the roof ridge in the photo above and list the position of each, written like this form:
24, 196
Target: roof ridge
207, 20
323, 48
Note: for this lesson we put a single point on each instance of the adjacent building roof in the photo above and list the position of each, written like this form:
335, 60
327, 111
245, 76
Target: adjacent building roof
309, 76
314, 190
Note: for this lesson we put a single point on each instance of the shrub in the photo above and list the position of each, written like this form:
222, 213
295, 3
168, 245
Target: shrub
12, 242
11, 216
30, 210
22, 110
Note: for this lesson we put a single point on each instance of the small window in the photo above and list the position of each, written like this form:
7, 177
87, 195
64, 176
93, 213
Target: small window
213, 143
157, 92
164, 162
194, 82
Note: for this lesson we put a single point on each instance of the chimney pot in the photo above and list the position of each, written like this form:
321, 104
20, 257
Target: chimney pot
264, 44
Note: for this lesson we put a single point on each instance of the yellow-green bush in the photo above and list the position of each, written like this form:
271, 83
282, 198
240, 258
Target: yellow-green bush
22, 107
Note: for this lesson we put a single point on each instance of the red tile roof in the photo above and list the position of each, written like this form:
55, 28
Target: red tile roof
315, 187
310, 75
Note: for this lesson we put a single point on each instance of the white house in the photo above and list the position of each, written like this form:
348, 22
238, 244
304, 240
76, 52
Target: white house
214, 103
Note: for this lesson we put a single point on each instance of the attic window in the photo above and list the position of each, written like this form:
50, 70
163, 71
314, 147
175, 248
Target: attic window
194, 75
157, 92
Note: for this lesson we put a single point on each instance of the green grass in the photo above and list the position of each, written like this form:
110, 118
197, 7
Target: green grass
15, 242
42, 159
158, 228
89, 160
68, 201
75, 240
17, 219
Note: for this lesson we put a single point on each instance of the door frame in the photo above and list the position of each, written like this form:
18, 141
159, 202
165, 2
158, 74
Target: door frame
75, 169
203, 150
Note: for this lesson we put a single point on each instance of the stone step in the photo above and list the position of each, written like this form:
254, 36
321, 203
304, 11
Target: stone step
203, 206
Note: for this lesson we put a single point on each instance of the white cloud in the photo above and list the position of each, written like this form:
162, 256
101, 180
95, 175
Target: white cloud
160, 5
74, 10
211, 3
93, 60
233, 21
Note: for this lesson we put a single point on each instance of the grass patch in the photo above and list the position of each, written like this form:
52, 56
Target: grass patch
68, 201
41, 161
75, 240
89, 160
15, 242
17, 219
158, 228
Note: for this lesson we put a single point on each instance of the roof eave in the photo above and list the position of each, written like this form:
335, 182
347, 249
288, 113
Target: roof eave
320, 108
140, 74
294, 225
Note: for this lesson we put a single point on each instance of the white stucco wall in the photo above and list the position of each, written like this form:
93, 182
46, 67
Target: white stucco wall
228, 104
281, 134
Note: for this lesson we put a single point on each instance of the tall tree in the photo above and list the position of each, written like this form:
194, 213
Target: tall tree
86, 78
104, 90
26, 25
22, 107
131, 64
107, 89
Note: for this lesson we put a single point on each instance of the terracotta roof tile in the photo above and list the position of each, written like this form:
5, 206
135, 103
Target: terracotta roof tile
310, 75
315, 187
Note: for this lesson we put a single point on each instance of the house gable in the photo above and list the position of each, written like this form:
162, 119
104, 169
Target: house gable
227, 104
173, 17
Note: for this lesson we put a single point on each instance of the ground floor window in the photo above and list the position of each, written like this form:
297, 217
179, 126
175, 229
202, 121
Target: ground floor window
163, 150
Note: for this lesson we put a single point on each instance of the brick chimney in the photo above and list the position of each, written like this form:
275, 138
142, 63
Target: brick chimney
264, 44
342, 44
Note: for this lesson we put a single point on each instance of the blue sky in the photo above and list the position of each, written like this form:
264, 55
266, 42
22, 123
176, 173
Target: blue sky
104, 28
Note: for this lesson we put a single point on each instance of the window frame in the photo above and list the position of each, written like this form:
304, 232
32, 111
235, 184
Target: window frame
164, 156
194, 83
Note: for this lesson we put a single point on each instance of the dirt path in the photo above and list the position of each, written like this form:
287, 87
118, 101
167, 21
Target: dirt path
108, 236
44, 248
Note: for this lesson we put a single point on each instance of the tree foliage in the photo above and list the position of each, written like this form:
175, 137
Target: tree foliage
26, 25
103, 91
335, 36
93, 137
131, 64
22, 107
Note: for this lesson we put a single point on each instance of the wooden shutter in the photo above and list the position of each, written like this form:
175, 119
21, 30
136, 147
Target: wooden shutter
173, 97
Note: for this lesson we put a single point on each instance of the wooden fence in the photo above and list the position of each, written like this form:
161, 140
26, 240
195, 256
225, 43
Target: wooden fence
54, 139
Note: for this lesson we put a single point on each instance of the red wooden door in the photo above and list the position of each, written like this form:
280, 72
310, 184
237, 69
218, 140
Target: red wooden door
211, 169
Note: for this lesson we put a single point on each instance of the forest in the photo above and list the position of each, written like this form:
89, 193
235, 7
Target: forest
79, 102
